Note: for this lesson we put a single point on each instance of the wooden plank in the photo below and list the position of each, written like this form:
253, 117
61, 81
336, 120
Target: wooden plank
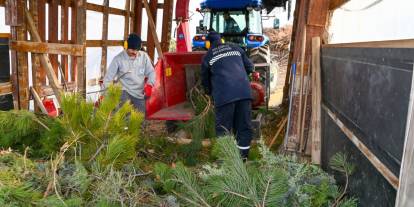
127, 16
44, 59
23, 67
41, 12
138, 17
81, 39
36, 80
38, 101
152, 26
47, 48
14, 71
166, 25
6, 88
65, 35
316, 102
13, 13
104, 38
73, 61
132, 19
404, 43
334, 4
100, 8
302, 77
53, 30
315, 16
152, 32
2, 2
388, 175
46, 90
406, 185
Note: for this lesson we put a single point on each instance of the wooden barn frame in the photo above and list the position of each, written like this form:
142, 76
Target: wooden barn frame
29, 29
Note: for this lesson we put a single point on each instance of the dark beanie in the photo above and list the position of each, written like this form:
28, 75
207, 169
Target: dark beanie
213, 37
134, 41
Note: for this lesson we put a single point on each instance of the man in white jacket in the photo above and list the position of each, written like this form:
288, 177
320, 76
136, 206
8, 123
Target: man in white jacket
131, 67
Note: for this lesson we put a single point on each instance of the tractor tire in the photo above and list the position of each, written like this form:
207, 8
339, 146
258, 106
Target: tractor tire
262, 55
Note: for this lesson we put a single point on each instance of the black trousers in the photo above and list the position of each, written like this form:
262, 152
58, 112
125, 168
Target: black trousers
235, 118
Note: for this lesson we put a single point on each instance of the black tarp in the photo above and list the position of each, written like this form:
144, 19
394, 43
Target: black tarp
6, 102
369, 90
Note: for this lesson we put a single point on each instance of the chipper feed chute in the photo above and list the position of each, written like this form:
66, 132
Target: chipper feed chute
176, 75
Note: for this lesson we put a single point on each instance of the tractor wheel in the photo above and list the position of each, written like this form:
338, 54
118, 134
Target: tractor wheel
262, 55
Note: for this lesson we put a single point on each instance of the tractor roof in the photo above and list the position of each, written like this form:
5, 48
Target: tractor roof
229, 4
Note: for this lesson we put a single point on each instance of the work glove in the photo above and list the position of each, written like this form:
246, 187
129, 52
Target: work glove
147, 90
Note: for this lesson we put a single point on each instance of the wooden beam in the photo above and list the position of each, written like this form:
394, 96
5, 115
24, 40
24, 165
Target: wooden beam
104, 38
316, 102
152, 31
44, 59
127, 16
23, 67
47, 48
38, 101
73, 61
109, 43
166, 25
111, 10
65, 35
385, 172
405, 43
406, 186
41, 12
6, 88
81, 39
2, 2
13, 13
151, 10
53, 30
138, 17
36, 79
46, 90
334, 4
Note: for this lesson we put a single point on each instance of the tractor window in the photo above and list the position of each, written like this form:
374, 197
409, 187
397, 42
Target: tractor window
231, 22
255, 22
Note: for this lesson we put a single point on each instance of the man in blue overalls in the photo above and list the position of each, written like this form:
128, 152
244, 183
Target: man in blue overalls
224, 74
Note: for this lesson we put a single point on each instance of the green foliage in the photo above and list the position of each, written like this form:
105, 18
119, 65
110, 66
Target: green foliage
339, 163
21, 129
108, 133
201, 126
274, 180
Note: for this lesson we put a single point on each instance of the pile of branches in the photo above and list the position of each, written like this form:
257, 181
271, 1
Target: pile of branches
273, 180
279, 43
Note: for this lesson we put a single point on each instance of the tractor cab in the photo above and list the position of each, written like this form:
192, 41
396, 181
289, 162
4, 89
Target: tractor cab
238, 22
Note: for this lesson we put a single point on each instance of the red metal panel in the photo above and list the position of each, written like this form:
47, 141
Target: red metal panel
183, 32
170, 88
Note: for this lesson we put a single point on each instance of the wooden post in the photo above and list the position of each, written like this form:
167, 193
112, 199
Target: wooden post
65, 35
406, 184
44, 59
166, 25
81, 39
53, 30
153, 31
138, 17
36, 78
104, 38
316, 101
73, 60
132, 19
302, 66
23, 69
152, 26
41, 13
127, 16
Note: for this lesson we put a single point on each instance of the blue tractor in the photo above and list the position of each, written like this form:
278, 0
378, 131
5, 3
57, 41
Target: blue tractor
240, 22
